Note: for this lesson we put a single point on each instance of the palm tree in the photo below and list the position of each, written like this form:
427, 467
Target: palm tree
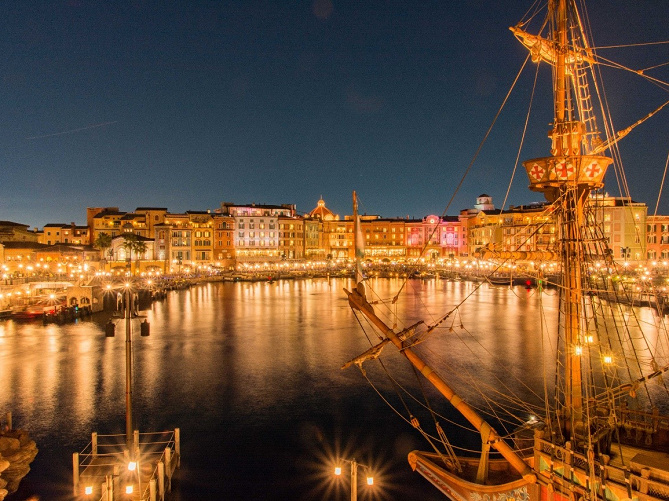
140, 248
133, 243
102, 242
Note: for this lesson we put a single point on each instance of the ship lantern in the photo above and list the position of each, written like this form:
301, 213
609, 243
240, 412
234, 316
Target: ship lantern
109, 329
144, 328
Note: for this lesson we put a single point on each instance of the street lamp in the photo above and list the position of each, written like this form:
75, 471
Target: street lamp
354, 476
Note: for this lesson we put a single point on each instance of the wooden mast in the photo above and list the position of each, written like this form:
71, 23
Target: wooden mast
566, 141
566, 178
491, 437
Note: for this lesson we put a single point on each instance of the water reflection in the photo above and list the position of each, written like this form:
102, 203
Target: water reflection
251, 374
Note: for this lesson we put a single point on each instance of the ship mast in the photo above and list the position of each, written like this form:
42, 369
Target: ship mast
566, 179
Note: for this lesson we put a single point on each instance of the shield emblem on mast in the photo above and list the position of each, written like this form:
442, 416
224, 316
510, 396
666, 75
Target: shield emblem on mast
536, 172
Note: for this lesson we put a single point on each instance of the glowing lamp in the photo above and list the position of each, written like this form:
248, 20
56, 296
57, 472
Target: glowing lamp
132, 466
129, 489
88, 490
338, 470
370, 480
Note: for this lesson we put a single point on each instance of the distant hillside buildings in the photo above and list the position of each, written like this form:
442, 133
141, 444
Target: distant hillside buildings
234, 236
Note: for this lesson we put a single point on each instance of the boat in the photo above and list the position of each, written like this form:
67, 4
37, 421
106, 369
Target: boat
601, 428
39, 308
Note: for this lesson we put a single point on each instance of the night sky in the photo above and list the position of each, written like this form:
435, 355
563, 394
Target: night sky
187, 104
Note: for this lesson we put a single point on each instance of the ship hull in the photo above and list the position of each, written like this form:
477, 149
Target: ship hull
507, 485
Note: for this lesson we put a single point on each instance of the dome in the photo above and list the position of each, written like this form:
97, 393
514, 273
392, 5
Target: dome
322, 212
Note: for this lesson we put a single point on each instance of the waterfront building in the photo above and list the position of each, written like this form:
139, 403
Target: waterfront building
257, 231
533, 227
16, 232
152, 217
338, 240
657, 237
105, 220
190, 244
18, 255
624, 225
291, 238
55, 233
224, 242
34, 258
315, 244
234, 235
384, 239
527, 228
123, 257
322, 213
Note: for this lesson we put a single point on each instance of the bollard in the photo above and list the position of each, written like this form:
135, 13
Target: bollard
177, 445
75, 473
9, 421
94, 444
161, 480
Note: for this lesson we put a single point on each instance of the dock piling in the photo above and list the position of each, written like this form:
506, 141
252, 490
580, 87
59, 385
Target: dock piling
161, 480
177, 445
75, 473
152, 490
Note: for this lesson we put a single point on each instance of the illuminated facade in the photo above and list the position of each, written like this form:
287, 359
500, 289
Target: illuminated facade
64, 234
338, 240
108, 220
224, 240
189, 240
257, 230
657, 238
384, 240
624, 225
16, 232
234, 235
291, 238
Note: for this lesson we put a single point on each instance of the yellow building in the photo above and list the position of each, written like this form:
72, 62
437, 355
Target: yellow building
16, 232
657, 237
316, 245
189, 241
624, 225
65, 234
291, 238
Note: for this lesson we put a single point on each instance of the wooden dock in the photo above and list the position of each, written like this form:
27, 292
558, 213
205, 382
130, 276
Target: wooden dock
105, 469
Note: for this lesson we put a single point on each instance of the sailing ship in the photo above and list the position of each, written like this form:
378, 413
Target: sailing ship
598, 434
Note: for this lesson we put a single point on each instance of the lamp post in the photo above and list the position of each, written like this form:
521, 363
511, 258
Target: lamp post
128, 369
354, 476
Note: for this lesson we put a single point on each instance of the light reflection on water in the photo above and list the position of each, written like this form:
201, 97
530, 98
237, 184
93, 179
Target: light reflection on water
250, 372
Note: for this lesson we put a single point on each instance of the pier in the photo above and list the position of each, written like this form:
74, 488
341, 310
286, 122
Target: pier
105, 470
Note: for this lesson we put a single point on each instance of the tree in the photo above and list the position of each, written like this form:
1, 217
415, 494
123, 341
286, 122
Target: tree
133, 243
102, 242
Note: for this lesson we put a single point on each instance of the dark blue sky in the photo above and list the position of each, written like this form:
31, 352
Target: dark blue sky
187, 104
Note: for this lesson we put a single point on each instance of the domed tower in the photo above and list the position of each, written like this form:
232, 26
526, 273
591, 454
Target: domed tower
484, 202
323, 213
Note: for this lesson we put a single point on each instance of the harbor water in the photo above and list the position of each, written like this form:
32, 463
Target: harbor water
251, 374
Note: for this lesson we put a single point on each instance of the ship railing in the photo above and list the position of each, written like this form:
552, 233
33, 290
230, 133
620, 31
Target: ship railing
104, 462
644, 428
562, 468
